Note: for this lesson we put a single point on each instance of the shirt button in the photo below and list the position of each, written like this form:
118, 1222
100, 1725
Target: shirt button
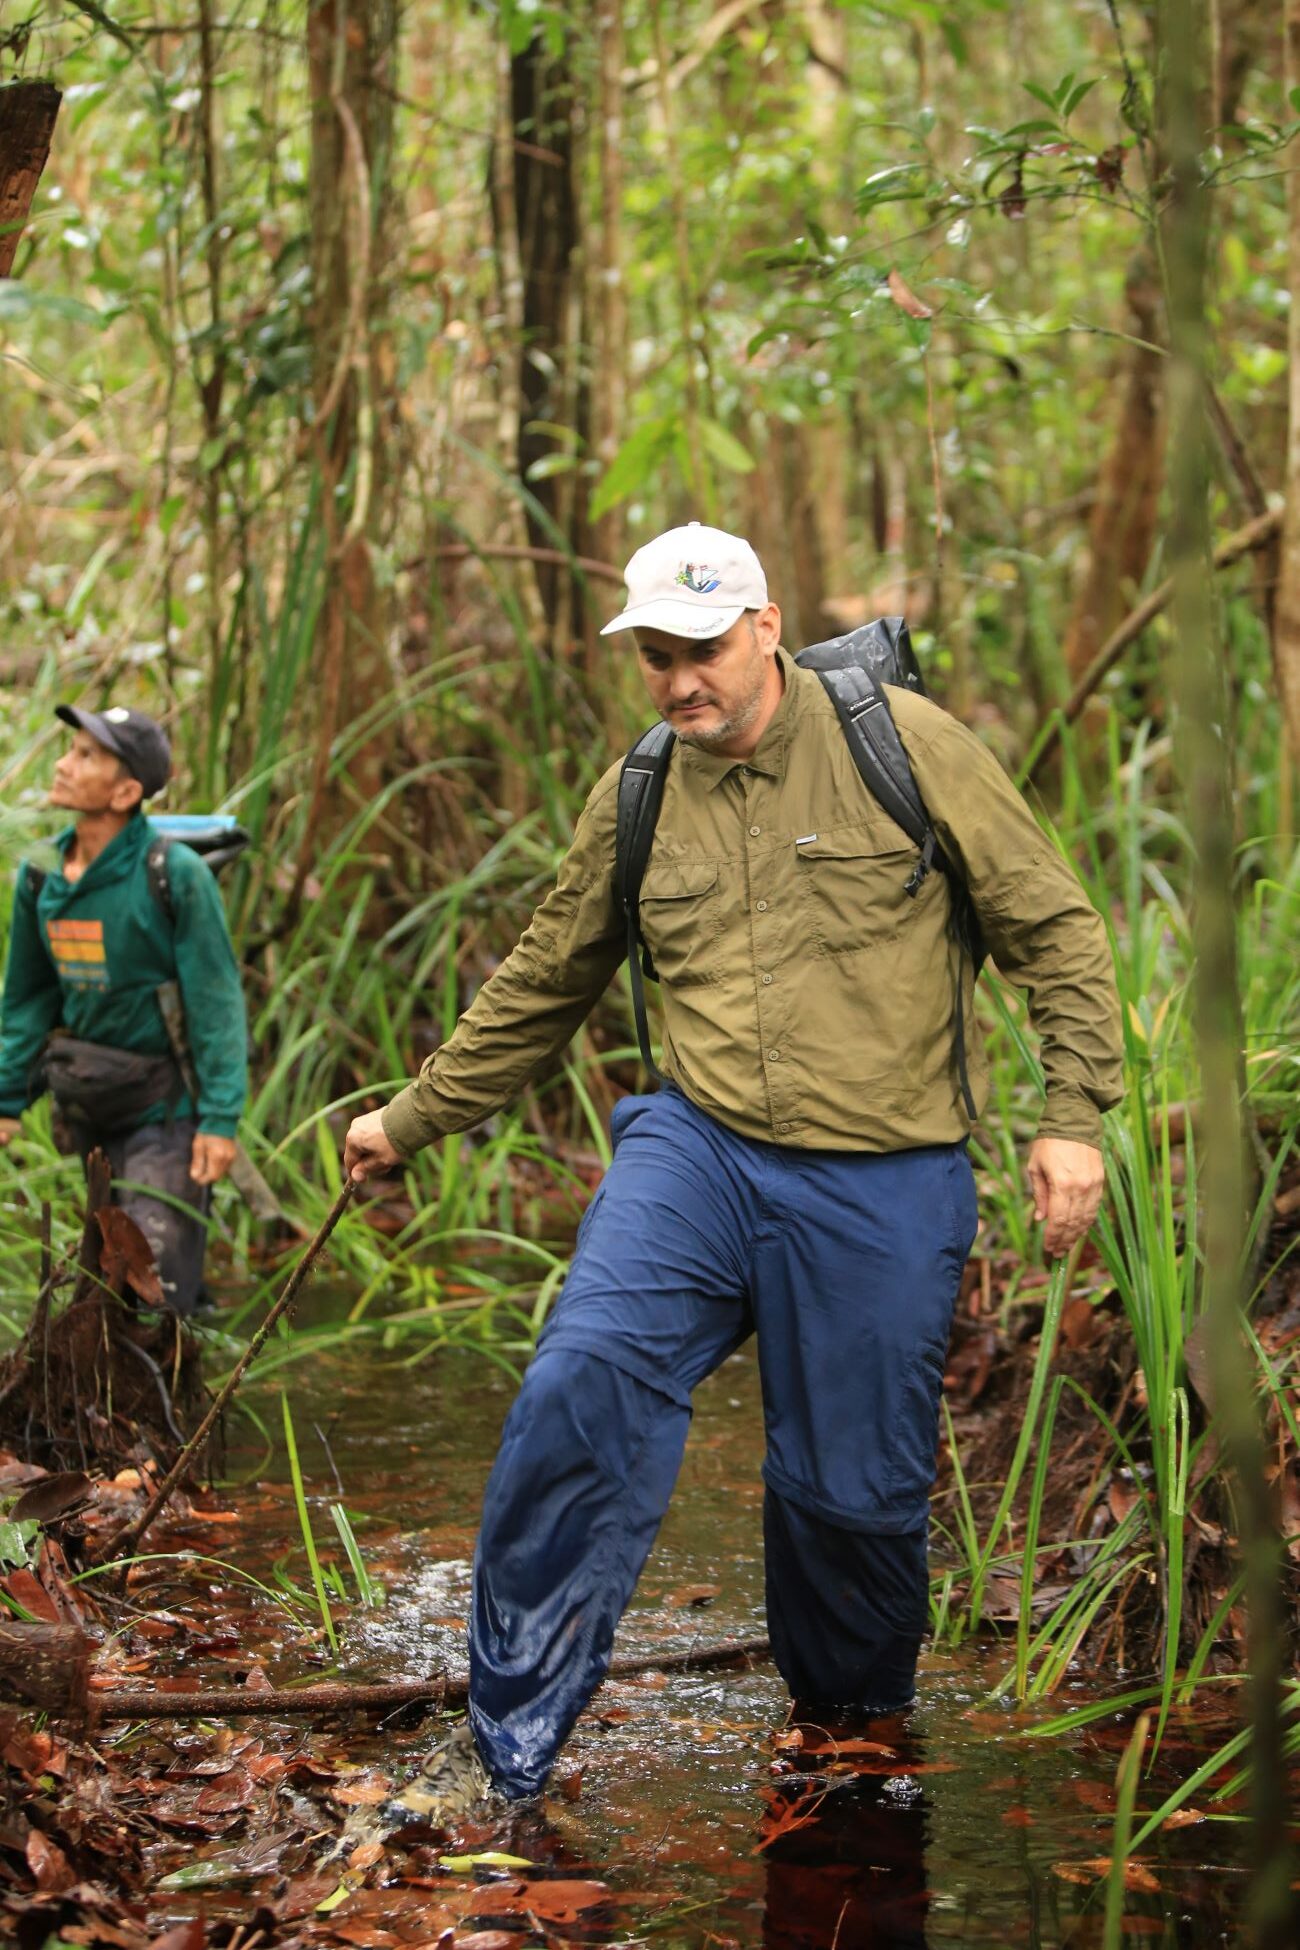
754, 832
761, 906
785, 1127
767, 981
774, 1056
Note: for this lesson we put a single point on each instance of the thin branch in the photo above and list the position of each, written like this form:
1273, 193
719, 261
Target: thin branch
150, 1703
126, 1540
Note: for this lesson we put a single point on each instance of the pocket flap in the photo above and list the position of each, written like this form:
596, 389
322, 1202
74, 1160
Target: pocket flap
855, 842
675, 880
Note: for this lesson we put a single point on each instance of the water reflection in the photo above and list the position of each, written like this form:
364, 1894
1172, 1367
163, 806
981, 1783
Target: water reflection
844, 1838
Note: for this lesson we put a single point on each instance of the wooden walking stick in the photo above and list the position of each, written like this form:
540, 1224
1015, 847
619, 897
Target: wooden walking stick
125, 1541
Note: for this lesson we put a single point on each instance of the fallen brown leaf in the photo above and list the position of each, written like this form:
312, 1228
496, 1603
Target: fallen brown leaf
126, 1255
906, 299
50, 1867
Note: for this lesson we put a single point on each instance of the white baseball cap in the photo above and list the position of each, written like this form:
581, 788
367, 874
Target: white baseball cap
691, 581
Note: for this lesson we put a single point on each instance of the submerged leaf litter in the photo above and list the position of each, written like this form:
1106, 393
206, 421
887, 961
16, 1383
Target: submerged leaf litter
685, 1812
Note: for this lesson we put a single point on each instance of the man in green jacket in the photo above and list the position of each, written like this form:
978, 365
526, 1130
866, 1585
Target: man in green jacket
92, 941
802, 1177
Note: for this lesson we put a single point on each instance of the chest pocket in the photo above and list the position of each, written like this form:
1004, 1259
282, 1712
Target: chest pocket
853, 887
681, 920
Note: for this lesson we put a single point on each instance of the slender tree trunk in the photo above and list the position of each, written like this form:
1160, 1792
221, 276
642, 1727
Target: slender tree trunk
544, 161
607, 286
352, 57
1205, 750
510, 278
1123, 523
1286, 637
212, 384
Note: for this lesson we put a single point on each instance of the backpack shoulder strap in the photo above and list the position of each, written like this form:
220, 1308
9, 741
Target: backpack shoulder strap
155, 867
640, 795
877, 751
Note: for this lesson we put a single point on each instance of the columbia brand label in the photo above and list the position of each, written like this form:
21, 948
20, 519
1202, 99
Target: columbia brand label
78, 951
700, 580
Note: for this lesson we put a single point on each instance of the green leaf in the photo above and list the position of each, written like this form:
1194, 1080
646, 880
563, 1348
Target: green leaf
635, 459
955, 39
460, 1865
1040, 95
1038, 127
1076, 95
168, 512
20, 301
201, 1875
548, 464
725, 447
16, 1540
340, 1895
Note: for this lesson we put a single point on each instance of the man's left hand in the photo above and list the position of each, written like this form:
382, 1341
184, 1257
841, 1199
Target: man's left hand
210, 1158
1067, 1180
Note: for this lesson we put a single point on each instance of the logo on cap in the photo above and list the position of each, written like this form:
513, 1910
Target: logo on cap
116, 715
701, 581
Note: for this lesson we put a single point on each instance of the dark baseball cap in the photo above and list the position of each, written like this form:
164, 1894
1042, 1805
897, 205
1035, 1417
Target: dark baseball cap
137, 740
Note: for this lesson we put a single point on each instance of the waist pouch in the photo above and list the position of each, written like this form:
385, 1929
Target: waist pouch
108, 1089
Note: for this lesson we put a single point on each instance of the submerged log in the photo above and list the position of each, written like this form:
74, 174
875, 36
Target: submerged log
342, 1696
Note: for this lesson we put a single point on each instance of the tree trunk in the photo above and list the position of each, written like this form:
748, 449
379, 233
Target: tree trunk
607, 284
543, 114
1124, 516
28, 110
1286, 637
352, 60
1206, 763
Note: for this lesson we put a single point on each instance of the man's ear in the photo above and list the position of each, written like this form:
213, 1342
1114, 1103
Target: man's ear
767, 627
127, 794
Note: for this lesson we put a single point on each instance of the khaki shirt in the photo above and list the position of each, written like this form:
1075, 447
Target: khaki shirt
808, 999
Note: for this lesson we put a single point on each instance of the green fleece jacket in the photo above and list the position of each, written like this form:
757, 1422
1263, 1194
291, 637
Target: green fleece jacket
89, 955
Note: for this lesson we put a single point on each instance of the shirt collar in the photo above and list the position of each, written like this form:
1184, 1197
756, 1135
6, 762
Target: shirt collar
768, 756
119, 856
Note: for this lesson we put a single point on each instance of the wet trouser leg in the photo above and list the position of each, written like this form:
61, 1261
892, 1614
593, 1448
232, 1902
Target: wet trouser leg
846, 1610
587, 1463
156, 1157
848, 1264
854, 1292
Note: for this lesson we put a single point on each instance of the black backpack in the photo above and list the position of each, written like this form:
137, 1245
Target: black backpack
217, 838
853, 668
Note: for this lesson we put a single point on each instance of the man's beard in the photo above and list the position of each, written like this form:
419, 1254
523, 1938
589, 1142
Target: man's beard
738, 720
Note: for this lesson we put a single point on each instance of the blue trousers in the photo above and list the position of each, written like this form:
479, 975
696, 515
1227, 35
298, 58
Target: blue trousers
846, 1266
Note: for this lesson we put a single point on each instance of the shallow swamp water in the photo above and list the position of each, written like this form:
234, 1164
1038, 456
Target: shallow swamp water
681, 1816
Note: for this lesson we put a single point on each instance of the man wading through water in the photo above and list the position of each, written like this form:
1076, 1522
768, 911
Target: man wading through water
90, 946
802, 1176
